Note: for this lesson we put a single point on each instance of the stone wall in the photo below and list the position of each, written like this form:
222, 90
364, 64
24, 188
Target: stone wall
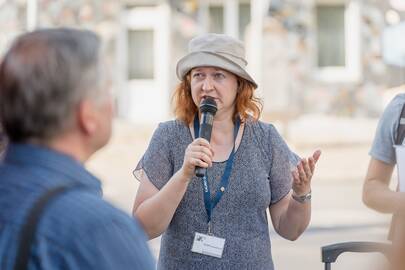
289, 84
289, 66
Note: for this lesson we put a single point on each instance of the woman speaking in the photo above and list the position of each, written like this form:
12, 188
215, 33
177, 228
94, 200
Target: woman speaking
219, 221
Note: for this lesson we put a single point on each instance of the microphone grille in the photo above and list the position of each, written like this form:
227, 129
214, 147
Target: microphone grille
208, 105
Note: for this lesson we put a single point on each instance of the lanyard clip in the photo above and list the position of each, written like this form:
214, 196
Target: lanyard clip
209, 228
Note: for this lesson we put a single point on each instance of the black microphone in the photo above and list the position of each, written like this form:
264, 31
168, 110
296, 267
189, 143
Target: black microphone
208, 108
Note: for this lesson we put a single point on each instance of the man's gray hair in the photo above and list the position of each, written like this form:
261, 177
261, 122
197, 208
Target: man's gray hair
43, 77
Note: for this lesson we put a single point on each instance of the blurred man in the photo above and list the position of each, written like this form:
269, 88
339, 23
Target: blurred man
56, 112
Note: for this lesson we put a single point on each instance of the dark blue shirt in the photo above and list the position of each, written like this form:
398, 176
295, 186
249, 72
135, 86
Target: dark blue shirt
78, 230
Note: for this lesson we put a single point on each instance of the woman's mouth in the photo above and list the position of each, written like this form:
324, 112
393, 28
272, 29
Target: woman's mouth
204, 97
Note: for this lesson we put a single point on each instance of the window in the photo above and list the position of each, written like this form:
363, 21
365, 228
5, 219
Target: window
331, 35
216, 19
244, 19
230, 17
338, 56
140, 54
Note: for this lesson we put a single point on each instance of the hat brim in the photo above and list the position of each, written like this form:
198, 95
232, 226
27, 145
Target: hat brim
201, 59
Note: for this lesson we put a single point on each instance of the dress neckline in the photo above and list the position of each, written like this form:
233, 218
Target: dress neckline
236, 148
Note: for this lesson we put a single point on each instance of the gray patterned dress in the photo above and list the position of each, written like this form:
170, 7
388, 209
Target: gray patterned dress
260, 177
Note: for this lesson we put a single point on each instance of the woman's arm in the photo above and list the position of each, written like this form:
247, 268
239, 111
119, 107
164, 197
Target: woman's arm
376, 192
290, 217
155, 208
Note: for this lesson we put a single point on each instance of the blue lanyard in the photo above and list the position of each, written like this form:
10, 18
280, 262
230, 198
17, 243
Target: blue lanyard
211, 204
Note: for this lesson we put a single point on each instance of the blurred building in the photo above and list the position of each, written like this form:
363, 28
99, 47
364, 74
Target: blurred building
308, 56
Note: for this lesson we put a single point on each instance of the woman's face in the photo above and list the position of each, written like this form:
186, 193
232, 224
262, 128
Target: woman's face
216, 83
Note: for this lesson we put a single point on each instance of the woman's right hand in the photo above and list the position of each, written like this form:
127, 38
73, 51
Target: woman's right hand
198, 153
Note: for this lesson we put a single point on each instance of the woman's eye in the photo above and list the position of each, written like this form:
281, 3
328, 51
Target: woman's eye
219, 75
197, 75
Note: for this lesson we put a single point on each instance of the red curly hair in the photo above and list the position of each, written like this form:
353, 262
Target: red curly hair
246, 104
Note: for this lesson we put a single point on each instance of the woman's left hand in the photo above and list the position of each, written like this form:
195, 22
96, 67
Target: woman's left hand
303, 173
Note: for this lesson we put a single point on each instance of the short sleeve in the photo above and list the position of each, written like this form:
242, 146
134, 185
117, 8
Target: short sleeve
383, 145
283, 162
157, 161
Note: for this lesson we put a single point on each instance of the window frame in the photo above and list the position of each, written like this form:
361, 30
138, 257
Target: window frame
351, 72
230, 20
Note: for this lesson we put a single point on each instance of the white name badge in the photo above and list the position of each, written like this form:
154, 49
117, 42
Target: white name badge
208, 245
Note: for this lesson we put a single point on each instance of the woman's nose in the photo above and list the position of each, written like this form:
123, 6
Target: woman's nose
207, 84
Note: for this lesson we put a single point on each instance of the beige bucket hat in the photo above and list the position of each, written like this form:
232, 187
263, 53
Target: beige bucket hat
215, 50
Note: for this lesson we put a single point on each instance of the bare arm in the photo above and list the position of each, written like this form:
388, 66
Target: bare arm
290, 218
376, 192
155, 208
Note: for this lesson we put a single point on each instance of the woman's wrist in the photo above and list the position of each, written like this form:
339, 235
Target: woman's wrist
302, 197
301, 192
183, 176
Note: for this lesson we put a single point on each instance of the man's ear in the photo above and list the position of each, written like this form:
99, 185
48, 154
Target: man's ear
86, 117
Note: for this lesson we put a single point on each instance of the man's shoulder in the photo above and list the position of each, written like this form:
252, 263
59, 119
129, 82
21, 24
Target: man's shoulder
88, 207
77, 218
82, 223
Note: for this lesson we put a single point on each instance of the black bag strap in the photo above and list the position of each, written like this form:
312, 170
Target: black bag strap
28, 230
401, 127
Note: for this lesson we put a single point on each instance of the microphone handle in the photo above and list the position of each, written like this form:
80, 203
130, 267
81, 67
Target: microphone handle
205, 132
200, 172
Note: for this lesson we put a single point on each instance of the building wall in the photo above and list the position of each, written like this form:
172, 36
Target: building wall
290, 84
99, 16
291, 68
